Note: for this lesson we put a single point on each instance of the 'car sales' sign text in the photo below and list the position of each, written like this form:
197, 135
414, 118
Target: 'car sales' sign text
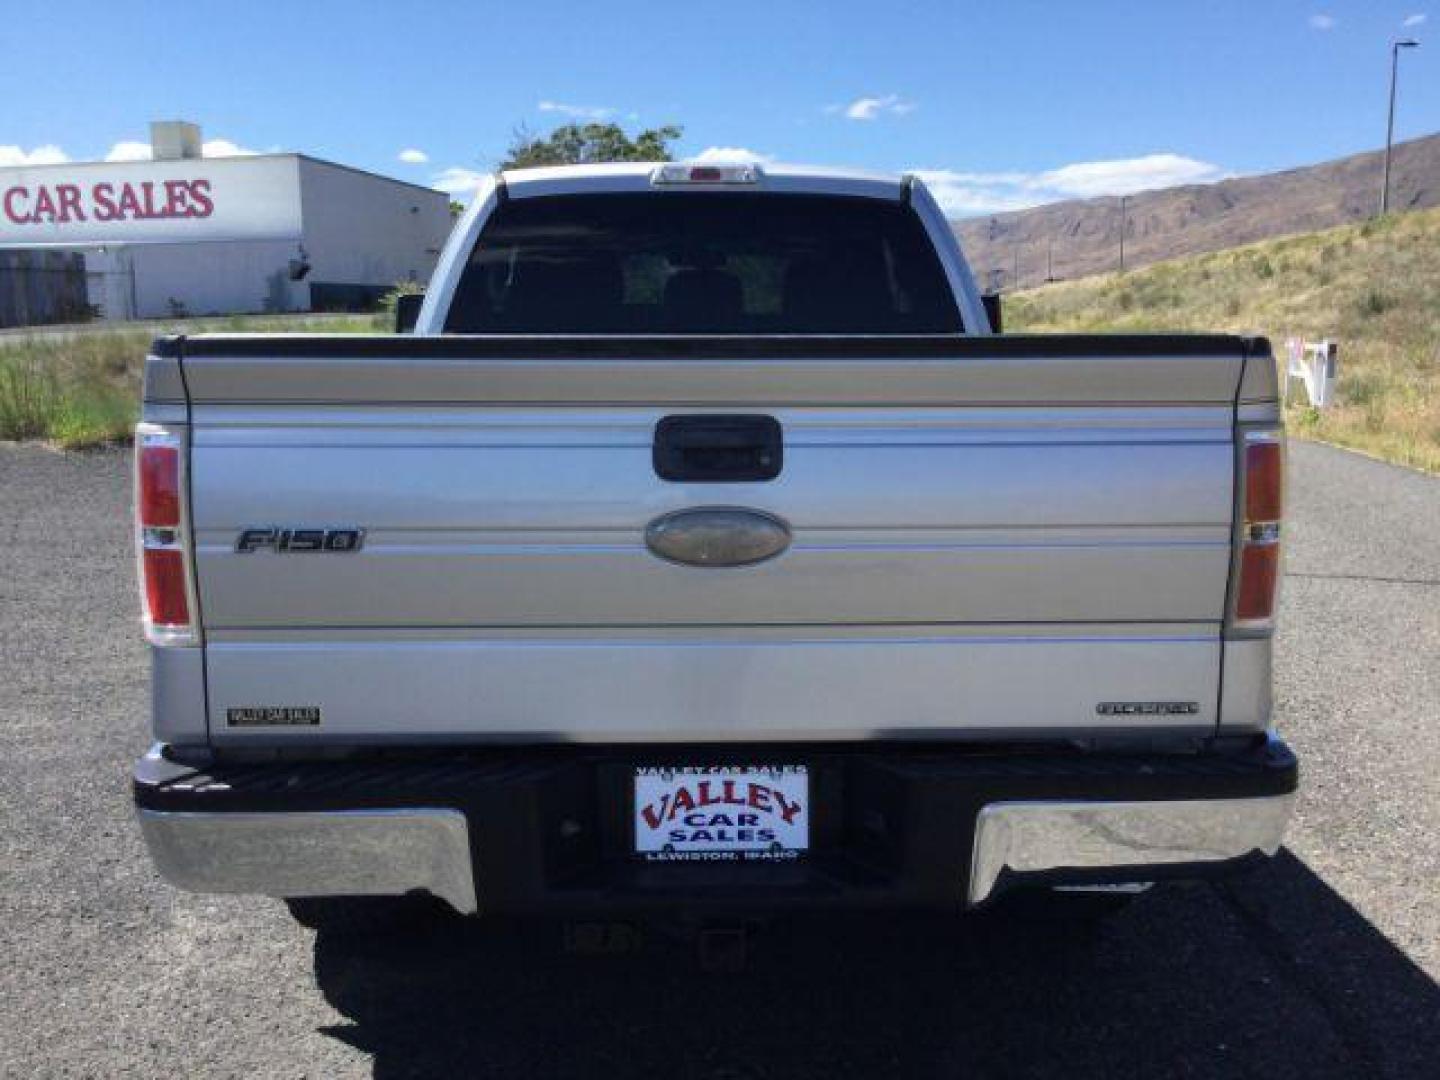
150, 202
65, 203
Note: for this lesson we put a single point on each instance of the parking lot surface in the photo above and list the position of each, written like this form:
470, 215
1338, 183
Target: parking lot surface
1322, 964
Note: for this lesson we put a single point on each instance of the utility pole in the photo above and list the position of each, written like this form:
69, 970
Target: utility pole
1015, 277
1122, 231
1049, 258
1395, 47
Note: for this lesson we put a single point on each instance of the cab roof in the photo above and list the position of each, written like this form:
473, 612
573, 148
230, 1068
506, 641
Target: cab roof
636, 176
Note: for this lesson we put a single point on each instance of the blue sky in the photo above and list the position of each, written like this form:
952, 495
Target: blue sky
1002, 104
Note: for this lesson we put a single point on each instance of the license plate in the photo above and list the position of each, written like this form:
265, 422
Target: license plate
721, 813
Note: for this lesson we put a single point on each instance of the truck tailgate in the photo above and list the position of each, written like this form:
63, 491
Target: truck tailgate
989, 536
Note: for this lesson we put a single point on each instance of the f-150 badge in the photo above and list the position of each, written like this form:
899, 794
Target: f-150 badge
298, 540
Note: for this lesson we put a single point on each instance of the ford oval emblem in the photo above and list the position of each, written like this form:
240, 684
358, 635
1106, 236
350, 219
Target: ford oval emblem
717, 536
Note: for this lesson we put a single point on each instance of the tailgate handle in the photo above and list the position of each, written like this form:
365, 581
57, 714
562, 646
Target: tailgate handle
709, 449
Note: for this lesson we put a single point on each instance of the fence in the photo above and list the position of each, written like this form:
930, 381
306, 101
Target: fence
39, 287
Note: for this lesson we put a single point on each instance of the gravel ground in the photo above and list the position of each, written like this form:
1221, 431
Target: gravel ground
1320, 965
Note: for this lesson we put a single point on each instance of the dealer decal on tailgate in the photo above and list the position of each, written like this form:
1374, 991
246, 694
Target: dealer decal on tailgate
722, 813
273, 716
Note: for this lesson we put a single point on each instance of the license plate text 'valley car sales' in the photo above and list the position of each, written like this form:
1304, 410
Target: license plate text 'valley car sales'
719, 813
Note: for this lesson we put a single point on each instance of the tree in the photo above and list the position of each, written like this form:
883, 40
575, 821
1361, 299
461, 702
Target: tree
585, 144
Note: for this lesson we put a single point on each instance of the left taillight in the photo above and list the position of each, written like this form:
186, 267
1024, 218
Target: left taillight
161, 535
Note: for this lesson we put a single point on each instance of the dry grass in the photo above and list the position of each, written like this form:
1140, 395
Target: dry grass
74, 393
1373, 287
84, 390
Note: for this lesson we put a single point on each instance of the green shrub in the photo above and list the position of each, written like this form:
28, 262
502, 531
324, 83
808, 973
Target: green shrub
399, 289
1374, 303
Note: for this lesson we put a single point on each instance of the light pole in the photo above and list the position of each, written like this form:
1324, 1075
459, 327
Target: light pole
1123, 198
1395, 47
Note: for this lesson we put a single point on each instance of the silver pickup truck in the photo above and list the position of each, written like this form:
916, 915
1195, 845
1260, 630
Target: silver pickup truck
705, 547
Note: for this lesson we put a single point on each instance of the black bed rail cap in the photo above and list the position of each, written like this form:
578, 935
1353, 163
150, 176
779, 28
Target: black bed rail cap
585, 346
168, 345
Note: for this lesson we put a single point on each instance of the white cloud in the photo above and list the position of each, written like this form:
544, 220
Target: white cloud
872, 108
1128, 175
135, 150
723, 155
225, 148
129, 150
966, 194
411, 156
457, 180
578, 112
49, 154
1323, 22
963, 194
1418, 19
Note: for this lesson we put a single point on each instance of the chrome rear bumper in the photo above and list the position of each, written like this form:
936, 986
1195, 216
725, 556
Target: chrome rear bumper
546, 829
1045, 839
393, 852
331, 853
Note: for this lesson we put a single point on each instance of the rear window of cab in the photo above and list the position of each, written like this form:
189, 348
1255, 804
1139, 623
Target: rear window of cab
703, 263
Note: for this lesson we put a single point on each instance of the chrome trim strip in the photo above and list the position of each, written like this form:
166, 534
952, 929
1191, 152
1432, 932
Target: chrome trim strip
340, 853
1038, 837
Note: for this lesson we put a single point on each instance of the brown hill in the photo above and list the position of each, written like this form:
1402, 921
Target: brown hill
1083, 235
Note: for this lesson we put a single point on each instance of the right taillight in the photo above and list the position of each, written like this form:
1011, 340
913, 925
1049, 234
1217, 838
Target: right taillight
160, 536
1257, 565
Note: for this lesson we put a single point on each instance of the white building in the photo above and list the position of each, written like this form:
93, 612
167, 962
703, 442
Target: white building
186, 234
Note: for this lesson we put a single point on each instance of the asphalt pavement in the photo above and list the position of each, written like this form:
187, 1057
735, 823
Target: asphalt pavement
1321, 964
